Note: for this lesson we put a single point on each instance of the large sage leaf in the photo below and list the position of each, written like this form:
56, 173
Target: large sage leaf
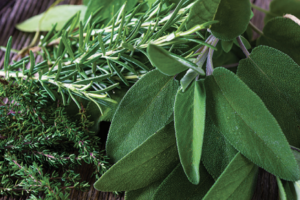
110, 8
277, 36
58, 14
177, 186
246, 123
282, 7
189, 117
238, 181
145, 108
233, 16
279, 76
217, 153
148, 163
169, 64
145, 193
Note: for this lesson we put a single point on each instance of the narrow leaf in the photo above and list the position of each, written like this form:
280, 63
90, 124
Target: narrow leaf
189, 115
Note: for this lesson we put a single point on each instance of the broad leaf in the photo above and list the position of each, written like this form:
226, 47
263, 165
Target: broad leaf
168, 63
189, 117
279, 76
59, 14
233, 16
177, 186
277, 36
145, 108
282, 194
217, 153
151, 161
246, 123
238, 181
110, 8
145, 193
282, 7
226, 45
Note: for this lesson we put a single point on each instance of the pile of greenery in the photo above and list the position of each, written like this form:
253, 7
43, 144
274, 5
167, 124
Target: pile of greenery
196, 105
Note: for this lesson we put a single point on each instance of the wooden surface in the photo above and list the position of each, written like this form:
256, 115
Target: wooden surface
13, 12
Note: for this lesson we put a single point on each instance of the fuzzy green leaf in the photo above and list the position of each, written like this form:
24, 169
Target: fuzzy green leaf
189, 117
233, 16
217, 152
151, 99
177, 186
59, 14
227, 45
277, 36
167, 63
145, 193
282, 194
241, 116
111, 7
238, 181
282, 7
151, 161
279, 76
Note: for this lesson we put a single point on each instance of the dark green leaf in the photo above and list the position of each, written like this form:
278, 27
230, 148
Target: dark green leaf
279, 76
59, 14
217, 153
151, 99
227, 45
145, 193
241, 116
238, 181
168, 63
151, 161
189, 117
233, 16
177, 186
282, 7
282, 34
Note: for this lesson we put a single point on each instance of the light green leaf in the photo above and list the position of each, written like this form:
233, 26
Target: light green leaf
168, 63
297, 189
111, 7
145, 193
189, 117
227, 45
289, 189
151, 99
241, 116
177, 186
282, 34
59, 14
217, 153
233, 16
282, 194
279, 75
186, 80
238, 181
151, 161
282, 7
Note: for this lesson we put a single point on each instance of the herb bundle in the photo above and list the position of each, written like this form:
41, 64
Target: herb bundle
194, 102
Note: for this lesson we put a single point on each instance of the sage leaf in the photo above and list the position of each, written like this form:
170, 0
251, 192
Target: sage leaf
297, 188
189, 118
233, 16
151, 161
145, 109
58, 14
189, 77
279, 8
168, 63
276, 36
246, 123
177, 186
111, 7
238, 181
289, 189
145, 193
227, 45
279, 75
282, 194
217, 153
